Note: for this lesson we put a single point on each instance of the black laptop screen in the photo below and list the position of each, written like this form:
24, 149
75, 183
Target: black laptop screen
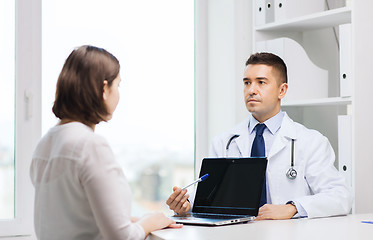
233, 186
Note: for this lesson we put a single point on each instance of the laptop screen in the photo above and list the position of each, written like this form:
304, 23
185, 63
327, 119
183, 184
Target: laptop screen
234, 186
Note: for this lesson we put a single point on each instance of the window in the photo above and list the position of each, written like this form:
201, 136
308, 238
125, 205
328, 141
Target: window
7, 113
20, 29
152, 130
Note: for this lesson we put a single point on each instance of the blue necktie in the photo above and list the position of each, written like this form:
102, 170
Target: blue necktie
258, 150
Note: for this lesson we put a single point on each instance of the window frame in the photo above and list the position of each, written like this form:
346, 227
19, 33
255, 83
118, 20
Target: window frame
27, 114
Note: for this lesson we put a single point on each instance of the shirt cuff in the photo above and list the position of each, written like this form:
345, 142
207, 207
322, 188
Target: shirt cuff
301, 213
141, 231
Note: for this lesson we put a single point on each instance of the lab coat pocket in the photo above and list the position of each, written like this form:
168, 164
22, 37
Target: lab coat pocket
295, 181
283, 189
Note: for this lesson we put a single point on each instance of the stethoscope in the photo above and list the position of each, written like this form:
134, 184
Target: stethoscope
291, 173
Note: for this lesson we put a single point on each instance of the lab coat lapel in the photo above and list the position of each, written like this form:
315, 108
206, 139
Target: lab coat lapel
243, 140
286, 132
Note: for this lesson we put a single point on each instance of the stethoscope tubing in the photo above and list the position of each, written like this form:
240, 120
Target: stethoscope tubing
292, 153
291, 173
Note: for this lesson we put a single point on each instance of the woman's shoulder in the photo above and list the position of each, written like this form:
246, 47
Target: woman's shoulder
70, 140
83, 138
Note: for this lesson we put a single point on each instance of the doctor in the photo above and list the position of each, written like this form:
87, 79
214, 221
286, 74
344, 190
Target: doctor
301, 179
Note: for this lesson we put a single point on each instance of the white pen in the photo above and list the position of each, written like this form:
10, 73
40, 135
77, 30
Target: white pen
197, 181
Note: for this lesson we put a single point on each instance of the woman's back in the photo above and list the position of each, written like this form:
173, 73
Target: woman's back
81, 192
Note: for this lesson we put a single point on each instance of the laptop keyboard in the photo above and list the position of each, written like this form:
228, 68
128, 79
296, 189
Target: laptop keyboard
215, 216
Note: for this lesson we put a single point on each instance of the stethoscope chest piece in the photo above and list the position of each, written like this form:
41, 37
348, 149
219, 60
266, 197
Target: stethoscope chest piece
291, 173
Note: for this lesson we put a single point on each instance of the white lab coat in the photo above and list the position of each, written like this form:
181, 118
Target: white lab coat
319, 188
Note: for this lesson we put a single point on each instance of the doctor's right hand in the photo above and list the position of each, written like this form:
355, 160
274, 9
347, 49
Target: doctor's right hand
178, 201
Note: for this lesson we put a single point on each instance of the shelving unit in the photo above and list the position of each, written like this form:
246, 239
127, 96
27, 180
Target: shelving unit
317, 34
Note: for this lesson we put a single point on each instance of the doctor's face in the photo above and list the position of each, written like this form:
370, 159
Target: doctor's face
263, 91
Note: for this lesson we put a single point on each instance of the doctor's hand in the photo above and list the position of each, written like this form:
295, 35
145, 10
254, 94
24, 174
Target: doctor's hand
178, 201
274, 212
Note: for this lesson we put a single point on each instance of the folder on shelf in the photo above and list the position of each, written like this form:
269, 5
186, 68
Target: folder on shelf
270, 11
280, 9
333, 4
305, 79
345, 147
259, 12
288, 9
345, 60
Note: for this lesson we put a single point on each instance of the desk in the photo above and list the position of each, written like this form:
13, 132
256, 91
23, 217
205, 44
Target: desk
343, 227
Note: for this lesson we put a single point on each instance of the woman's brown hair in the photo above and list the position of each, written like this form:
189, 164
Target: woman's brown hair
79, 92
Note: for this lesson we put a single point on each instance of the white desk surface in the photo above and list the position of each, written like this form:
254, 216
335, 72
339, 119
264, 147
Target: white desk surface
344, 227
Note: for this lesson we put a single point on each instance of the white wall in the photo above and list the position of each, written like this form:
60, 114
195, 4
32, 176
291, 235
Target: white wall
363, 105
229, 35
223, 44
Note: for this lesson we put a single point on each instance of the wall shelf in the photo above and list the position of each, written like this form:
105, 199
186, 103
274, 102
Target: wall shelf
318, 102
319, 20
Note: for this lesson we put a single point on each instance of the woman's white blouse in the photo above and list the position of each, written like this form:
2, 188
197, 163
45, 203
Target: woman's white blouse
80, 190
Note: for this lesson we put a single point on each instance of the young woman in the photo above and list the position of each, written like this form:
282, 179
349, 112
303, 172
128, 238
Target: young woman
80, 190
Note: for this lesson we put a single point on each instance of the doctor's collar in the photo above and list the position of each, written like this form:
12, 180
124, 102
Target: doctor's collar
273, 124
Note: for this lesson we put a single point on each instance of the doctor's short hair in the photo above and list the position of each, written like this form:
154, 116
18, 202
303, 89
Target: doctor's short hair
80, 85
272, 60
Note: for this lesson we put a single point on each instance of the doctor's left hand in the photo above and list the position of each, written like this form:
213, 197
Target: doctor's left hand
271, 211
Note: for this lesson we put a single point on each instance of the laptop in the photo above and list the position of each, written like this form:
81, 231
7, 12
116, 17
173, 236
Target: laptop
230, 194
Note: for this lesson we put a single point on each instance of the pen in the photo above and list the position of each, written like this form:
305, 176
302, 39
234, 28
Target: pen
370, 222
197, 181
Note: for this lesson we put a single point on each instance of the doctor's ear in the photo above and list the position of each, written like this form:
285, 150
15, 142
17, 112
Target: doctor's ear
105, 90
283, 89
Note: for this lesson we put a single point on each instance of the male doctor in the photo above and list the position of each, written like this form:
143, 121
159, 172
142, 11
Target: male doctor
318, 189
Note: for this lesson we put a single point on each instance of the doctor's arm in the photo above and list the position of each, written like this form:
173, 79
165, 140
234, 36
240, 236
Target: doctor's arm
276, 212
331, 194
